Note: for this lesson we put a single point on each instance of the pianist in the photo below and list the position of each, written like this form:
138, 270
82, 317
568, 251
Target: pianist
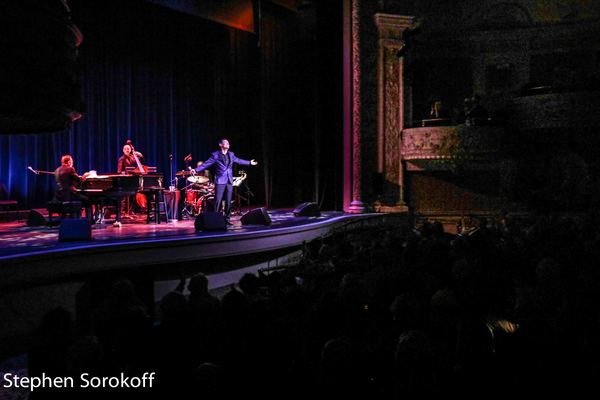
66, 181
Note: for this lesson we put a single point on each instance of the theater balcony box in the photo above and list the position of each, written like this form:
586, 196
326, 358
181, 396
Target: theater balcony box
456, 169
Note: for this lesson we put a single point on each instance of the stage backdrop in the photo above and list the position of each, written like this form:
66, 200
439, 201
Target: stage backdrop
170, 82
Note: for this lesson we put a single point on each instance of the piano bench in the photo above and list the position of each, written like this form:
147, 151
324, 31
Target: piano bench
6, 206
65, 209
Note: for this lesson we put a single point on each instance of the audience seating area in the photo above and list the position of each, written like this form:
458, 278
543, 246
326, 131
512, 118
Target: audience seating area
381, 313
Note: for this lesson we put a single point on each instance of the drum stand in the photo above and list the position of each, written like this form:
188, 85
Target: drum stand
188, 211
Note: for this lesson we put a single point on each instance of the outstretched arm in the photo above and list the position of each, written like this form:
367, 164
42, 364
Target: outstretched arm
244, 162
207, 164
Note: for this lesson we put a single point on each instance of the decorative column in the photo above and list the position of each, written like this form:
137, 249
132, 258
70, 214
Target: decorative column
352, 108
390, 109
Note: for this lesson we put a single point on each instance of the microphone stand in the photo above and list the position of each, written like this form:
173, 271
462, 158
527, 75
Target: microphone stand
248, 192
171, 168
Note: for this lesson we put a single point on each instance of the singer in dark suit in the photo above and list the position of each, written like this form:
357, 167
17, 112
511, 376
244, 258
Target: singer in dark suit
223, 161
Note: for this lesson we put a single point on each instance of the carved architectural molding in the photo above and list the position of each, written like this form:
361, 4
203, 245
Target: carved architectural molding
356, 205
391, 115
353, 105
390, 88
392, 26
453, 143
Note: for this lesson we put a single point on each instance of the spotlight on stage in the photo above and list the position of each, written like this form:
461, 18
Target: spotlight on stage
308, 209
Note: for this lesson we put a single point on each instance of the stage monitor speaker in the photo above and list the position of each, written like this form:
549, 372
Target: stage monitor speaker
74, 229
37, 217
210, 221
308, 209
258, 216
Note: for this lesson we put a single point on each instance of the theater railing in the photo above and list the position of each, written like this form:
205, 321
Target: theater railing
439, 145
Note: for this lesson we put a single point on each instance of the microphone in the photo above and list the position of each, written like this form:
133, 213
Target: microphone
33, 170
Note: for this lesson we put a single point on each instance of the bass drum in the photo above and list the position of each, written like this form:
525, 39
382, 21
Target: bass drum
192, 196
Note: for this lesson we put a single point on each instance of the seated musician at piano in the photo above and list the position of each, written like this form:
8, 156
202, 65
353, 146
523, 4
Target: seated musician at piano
67, 180
128, 159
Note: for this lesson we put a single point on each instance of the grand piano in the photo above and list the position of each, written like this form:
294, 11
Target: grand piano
110, 189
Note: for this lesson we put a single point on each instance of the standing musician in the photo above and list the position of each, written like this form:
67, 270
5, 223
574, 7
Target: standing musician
223, 161
128, 159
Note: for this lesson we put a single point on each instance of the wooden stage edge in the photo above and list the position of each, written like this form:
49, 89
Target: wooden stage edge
182, 244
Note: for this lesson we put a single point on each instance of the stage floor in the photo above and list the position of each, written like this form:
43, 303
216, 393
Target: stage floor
30, 253
16, 238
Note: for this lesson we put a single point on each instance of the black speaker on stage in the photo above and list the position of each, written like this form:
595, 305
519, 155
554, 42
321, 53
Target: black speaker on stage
307, 209
74, 229
258, 216
37, 217
210, 221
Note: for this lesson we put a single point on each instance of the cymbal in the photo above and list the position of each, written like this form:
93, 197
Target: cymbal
198, 179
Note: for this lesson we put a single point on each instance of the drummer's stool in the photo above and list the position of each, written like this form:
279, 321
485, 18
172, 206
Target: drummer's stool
156, 207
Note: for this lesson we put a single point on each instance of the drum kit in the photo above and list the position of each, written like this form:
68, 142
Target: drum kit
199, 193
